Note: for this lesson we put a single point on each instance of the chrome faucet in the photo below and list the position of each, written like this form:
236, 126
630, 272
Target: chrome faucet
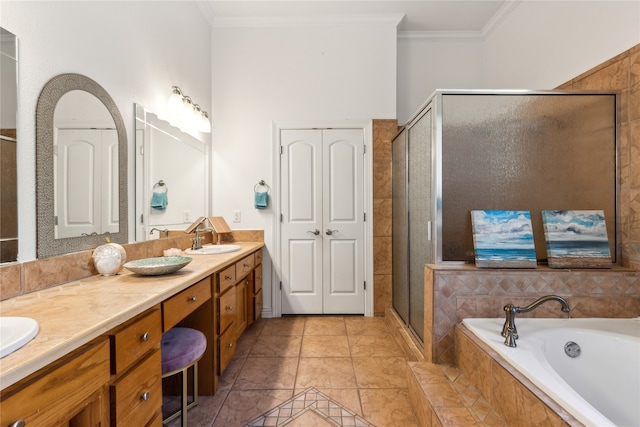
160, 232
509, 331
197, 241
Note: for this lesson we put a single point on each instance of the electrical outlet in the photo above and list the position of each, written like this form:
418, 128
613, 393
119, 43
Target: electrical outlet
186, 216
236, 216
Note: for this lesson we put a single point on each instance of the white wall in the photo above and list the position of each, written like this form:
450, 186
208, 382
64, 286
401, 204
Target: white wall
136, 50
261, 74
542, 44
426, 64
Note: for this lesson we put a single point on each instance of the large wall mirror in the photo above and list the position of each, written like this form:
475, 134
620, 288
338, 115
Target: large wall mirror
168, 197
81, 159
8, 145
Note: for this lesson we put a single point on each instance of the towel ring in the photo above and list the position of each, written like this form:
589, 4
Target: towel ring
162, 185
261, 183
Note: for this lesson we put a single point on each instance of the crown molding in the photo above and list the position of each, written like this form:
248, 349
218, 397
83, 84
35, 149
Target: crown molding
442, 35
306, 21
505, 10
206, 9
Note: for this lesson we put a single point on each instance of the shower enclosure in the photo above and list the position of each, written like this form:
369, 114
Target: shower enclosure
494, 150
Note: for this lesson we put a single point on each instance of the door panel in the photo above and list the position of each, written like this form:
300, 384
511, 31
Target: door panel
301, 169
420, 218
78, 192
323, 221
343, 217
400, 226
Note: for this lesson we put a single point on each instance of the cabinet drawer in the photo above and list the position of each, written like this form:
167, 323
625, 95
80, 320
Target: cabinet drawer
257, 305
258, 257
181, 305
227, 348
133, 341
56, 394
226, 279
226, 309
137, 397
257, 279
244, 266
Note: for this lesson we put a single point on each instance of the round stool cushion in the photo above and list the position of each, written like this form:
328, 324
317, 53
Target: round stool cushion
181, 347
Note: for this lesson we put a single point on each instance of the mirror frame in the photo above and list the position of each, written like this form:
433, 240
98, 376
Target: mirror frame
53, 90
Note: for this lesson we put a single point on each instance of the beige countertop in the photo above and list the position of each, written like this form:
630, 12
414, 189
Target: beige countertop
75, 313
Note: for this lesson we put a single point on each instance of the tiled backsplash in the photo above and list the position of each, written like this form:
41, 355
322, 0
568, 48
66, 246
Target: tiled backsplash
31, 276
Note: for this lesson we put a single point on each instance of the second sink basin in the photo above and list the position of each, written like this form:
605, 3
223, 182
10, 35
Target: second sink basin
16, 332
213, 249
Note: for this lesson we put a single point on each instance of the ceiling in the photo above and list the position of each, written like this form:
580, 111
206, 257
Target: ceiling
430, 16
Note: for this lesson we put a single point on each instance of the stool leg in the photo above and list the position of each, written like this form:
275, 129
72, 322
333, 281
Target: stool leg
195, 384
183, 416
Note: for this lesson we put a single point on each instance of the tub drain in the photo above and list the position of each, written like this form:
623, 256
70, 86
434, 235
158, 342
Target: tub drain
572, 349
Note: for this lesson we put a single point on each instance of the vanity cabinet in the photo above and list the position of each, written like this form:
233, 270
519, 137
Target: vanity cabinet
255, 305
71, 391
136, 363
186, 302
226, 315
236, 297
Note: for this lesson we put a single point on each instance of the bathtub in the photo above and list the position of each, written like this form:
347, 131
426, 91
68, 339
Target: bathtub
600, 387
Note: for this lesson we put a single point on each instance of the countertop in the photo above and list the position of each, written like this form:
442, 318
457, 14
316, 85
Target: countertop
75, 313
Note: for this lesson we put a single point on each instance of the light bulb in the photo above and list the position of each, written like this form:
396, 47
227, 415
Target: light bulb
205, 124
175, 100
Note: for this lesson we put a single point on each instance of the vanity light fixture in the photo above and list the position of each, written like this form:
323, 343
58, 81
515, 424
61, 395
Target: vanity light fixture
190, 115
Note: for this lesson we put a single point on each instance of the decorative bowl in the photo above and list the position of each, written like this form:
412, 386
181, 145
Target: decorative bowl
157, 266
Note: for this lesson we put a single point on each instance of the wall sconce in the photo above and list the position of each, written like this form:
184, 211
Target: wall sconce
189, 115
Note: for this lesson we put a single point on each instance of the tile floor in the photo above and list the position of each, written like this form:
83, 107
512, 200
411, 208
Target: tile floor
342, 370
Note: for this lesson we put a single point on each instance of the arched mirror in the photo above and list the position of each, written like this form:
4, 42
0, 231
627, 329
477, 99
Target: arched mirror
81, 159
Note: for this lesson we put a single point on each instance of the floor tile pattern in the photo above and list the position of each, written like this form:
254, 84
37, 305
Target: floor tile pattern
310, 400
311, 371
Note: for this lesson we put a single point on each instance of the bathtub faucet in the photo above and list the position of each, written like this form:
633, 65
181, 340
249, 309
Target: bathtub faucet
509, 331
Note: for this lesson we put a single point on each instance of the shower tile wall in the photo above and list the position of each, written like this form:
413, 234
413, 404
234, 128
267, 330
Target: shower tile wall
622, 73
383, 133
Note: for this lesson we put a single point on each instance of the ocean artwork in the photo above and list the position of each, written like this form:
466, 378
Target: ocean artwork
503, 239
576, 239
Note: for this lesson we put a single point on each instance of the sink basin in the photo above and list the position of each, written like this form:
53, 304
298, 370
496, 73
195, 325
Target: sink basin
213, 249
16, 332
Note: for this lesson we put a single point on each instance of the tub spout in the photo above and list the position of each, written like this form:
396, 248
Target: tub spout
509, 331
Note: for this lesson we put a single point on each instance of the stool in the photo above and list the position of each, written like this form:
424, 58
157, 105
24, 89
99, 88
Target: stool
181, 348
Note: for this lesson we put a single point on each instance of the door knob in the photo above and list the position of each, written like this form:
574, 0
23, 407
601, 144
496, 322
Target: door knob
315, 232
330, 232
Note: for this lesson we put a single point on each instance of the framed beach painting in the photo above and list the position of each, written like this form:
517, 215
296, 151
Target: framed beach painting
503, 239
576, 239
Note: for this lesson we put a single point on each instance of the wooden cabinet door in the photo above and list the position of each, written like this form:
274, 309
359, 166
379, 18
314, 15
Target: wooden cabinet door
242, 298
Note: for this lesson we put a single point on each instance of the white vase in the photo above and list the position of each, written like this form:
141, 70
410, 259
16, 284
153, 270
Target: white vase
109, 258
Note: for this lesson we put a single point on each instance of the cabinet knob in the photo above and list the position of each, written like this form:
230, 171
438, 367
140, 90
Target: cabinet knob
246, 265
144, 396
19, 423
229, 307
230, 345
193, 298
227, 277
144, 337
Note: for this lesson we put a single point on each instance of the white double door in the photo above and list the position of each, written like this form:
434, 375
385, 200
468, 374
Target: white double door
322, 233
86, 182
